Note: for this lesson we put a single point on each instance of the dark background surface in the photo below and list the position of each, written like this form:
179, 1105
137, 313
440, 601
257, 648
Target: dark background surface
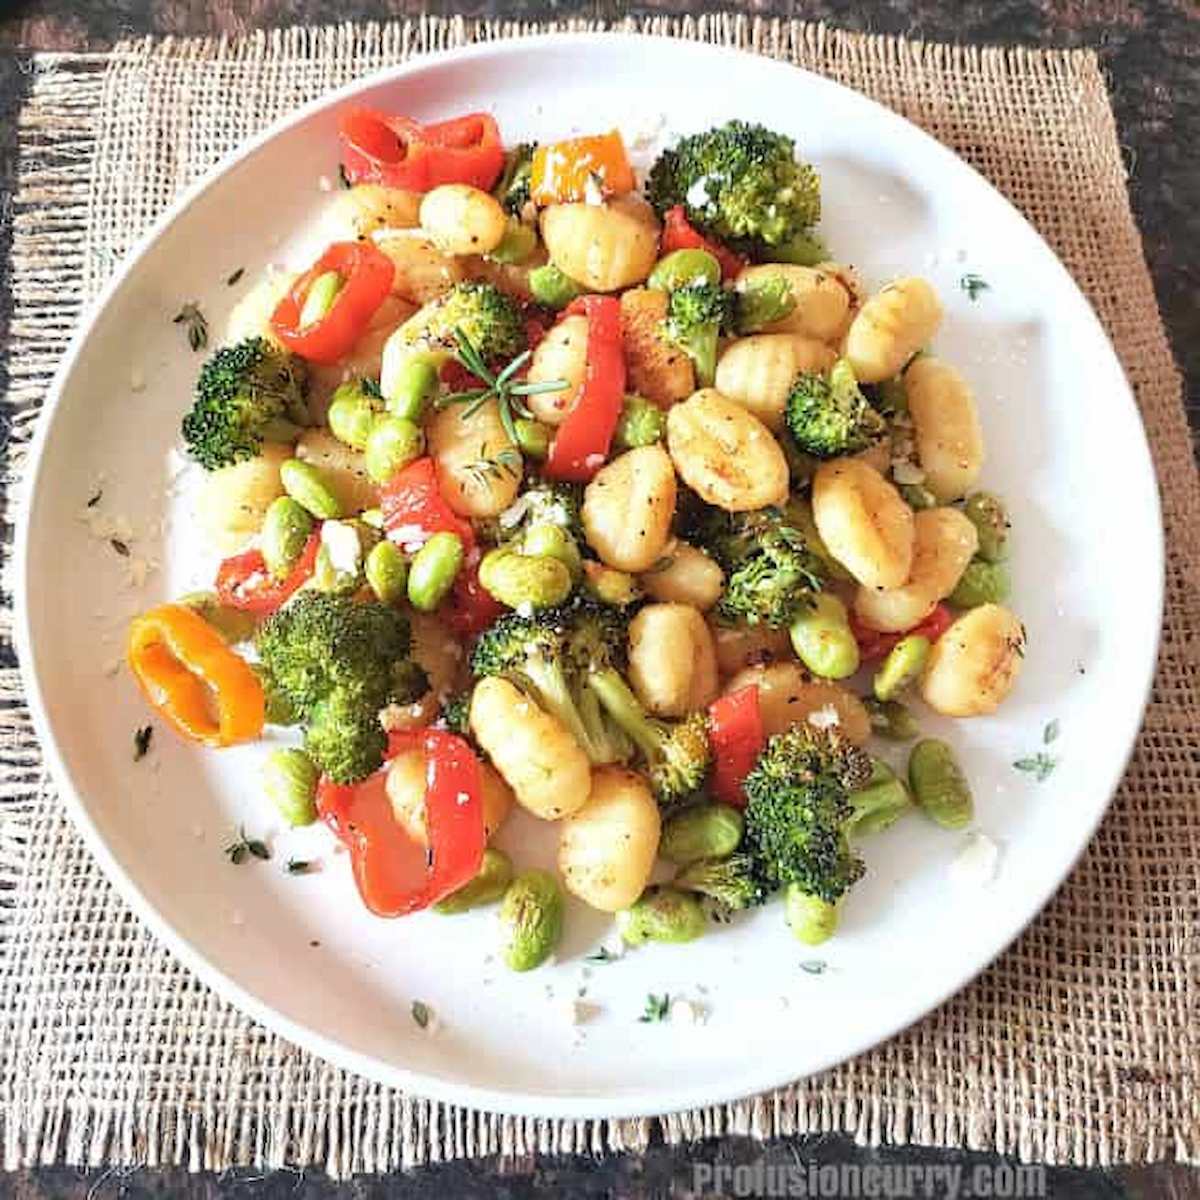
1151, 53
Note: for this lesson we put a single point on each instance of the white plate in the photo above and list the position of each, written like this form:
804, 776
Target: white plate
1064, 445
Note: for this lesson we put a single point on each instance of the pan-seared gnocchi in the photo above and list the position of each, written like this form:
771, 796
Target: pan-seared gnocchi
975, 663
891, 327
656, 367
823, 301
628, 508
604, 247
949, 441
759, 371
672, 660
560, 356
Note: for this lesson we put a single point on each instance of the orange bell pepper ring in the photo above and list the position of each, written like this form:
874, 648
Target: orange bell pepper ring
561, 170
188, 673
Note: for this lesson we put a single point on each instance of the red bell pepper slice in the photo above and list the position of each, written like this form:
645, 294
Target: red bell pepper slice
367, 275
469, 609
582, 442
737, 736
679, 234
873, 644
244, 582
414, 508
399, 152
395, 874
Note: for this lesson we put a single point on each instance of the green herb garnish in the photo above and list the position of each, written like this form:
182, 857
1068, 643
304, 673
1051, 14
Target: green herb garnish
420, 1013
973, 285
194, 321
657, 1008
246, 848
236, 277
1040, 765
603, 955
813, 966
298, 866
484, 469
141, 742
1050, 733
96, 498
119, 546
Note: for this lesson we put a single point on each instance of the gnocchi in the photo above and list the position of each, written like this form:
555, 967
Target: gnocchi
464, 440
603, 246
672, 660
684, 575
823, 302
758, 371
656, 369
891, 327
949, 441
628, 508
787, 697
233, 501
461, 219
975, 663
561, 354
343, 469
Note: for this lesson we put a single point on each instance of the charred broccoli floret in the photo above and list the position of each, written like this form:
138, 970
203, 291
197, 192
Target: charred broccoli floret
513, 187
741, 183
544, 502
828, 416
246, 394
733, 883
455, 713
696, 316
488, 317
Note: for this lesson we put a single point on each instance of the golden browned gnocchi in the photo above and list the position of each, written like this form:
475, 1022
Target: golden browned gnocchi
656, 368
741, 646
949, 441
684, 575
628, 508
560, 355
461, 219
603, 246
464, 440
423, 272
362, 210
975, 663
823, 302
672, 660
891, 327
758, 371
725, 454
232, 502
788, 697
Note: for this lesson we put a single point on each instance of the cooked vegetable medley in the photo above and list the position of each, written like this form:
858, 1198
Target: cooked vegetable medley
631, 508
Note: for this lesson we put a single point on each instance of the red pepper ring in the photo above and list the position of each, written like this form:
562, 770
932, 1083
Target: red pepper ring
374, 143
395, 874
582, 442
243, 581
367, 274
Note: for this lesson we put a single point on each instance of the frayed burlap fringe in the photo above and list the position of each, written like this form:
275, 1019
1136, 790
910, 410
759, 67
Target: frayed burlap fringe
1079, 1045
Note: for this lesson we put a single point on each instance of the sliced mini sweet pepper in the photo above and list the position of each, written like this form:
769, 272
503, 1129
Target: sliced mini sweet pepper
568, 170
873, 644
414, 508
679, 234
188, 673
245, 583
736, 733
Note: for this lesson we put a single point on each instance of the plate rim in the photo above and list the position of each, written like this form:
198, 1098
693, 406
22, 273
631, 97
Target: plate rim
421, 1083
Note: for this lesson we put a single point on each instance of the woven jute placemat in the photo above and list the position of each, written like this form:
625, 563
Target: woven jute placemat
1079, 1045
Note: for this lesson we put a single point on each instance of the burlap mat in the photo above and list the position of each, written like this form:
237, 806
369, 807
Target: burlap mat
1080, 1045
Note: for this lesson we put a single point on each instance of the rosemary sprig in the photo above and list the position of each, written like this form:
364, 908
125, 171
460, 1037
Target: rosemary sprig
508, 391
485, 469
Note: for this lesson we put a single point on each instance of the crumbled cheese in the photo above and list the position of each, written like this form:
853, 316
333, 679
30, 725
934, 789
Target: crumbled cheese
594, 462
515, 512
697, 195
825, 717
685, 1012
593, 193
324, 183
525, 609
976, 863
342, 545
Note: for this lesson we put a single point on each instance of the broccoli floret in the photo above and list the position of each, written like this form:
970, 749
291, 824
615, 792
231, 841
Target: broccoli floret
513, 189
742, 184
829, 416
490, 319
761, 302
696, 315
546, 502
410, 681
676, 754
337, 664
798, 807
642, 423
734, 883
455, 714
246, 394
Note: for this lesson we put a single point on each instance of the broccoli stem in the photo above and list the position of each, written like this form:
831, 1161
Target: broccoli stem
626, 710
701, 347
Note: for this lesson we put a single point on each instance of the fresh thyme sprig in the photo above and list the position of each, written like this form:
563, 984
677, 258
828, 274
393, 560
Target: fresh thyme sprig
508, 391
193, 320
487, 468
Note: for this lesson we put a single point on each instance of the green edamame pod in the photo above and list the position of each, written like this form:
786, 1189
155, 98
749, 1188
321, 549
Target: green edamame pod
904, 663
233, 624
386, 570
609, 585
552, 287
308, 487
938, 784
917, 497
433, 569
517, 245
531, 916
987, 513
982, 582
290, 782
533, 437
880, 804
823, 640
641, 423
683, 267
414, 385
810, 918
524, 580
322, 292
553, 541
702, 831
662, 914
286, 529
391, 445
488, 886
891, 719
352, 413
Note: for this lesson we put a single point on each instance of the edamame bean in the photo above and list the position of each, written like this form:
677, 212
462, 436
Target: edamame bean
810, 918
552, 287
386, 570
553, 541
938, 784
433, 569
880, 804
524, 579
307, 485
904, 663
641, 423
891, 719
339, 562
702, 831
322, 292
393, 443
917, 497
233, 624
823, 640
987, 513
531, 917
285, 532
488, 886
517, 245
610, 586
981, 583
662, 914
352, 414
533, 438
415, 382
290, 781
683, 267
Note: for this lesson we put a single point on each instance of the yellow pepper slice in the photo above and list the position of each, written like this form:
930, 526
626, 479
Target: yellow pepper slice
561, 170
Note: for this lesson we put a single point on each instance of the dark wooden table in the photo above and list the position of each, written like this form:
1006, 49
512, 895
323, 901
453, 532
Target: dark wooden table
1151, 51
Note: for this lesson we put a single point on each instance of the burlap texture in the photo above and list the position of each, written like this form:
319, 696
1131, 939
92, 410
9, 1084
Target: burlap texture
1080, 1045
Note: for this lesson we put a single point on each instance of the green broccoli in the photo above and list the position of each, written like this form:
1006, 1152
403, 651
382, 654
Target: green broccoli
337, 664
455, 713
513, 188
798, 807
733, 883
740, 183
543, 502
676, 754
829, 416
490, 320
696, 316
761, 302
246, 395
642, 423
